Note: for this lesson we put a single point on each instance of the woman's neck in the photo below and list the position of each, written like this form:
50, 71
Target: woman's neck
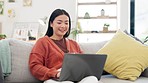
56, 37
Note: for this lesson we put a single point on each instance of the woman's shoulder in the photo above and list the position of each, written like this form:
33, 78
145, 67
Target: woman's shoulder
72, 41
44, 39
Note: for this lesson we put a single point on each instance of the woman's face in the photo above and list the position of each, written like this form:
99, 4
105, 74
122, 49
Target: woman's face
60, 26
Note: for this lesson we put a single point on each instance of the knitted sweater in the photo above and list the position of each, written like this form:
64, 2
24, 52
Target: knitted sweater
46, 57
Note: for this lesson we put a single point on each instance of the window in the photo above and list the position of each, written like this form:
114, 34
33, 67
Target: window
141, 19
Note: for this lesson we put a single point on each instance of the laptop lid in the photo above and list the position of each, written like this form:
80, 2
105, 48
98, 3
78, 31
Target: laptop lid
78, 66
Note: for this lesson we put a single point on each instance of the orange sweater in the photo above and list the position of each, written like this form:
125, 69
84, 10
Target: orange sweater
46, 57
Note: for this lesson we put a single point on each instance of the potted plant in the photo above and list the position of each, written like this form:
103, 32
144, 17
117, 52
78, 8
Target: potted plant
76, 30
146, 39
105, 27
2, 36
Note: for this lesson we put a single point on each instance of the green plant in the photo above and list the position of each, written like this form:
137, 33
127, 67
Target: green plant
2, 36
76, 30
106, 25
146, 39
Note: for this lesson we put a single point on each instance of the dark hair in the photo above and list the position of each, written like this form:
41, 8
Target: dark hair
54, 14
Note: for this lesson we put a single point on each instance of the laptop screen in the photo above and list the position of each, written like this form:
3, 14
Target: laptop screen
78, 66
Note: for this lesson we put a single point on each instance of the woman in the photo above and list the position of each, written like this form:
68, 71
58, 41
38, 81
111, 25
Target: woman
46, 58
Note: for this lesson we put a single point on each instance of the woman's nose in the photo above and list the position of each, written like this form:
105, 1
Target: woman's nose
63, 25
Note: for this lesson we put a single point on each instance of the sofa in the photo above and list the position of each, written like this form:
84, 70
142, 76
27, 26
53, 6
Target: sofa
20, 73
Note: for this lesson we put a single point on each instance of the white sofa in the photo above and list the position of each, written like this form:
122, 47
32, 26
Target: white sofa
20, 51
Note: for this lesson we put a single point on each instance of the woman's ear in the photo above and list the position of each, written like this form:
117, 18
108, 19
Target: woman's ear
51, 24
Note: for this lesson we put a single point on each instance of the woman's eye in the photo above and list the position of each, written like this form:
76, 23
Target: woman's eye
58, 23
66, 23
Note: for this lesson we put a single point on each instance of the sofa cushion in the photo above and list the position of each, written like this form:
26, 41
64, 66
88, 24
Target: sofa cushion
20, 51
92, 47
113, 79
127, 58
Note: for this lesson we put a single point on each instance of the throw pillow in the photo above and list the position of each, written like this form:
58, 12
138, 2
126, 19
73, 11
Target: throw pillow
133, 36
145, 73
127, 58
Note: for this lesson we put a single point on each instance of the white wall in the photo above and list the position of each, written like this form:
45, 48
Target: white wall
124, 14
39, 9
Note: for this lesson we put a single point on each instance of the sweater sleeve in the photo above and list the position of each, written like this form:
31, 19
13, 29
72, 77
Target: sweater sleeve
37, 63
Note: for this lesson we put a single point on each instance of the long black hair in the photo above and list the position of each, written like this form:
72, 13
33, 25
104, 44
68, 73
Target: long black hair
54, 14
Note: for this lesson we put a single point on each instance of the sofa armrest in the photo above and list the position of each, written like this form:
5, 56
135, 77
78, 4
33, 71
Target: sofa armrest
1, 75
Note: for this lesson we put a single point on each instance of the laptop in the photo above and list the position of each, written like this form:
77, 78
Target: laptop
78, 66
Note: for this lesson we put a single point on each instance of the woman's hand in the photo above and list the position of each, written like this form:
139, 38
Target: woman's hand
58, 74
